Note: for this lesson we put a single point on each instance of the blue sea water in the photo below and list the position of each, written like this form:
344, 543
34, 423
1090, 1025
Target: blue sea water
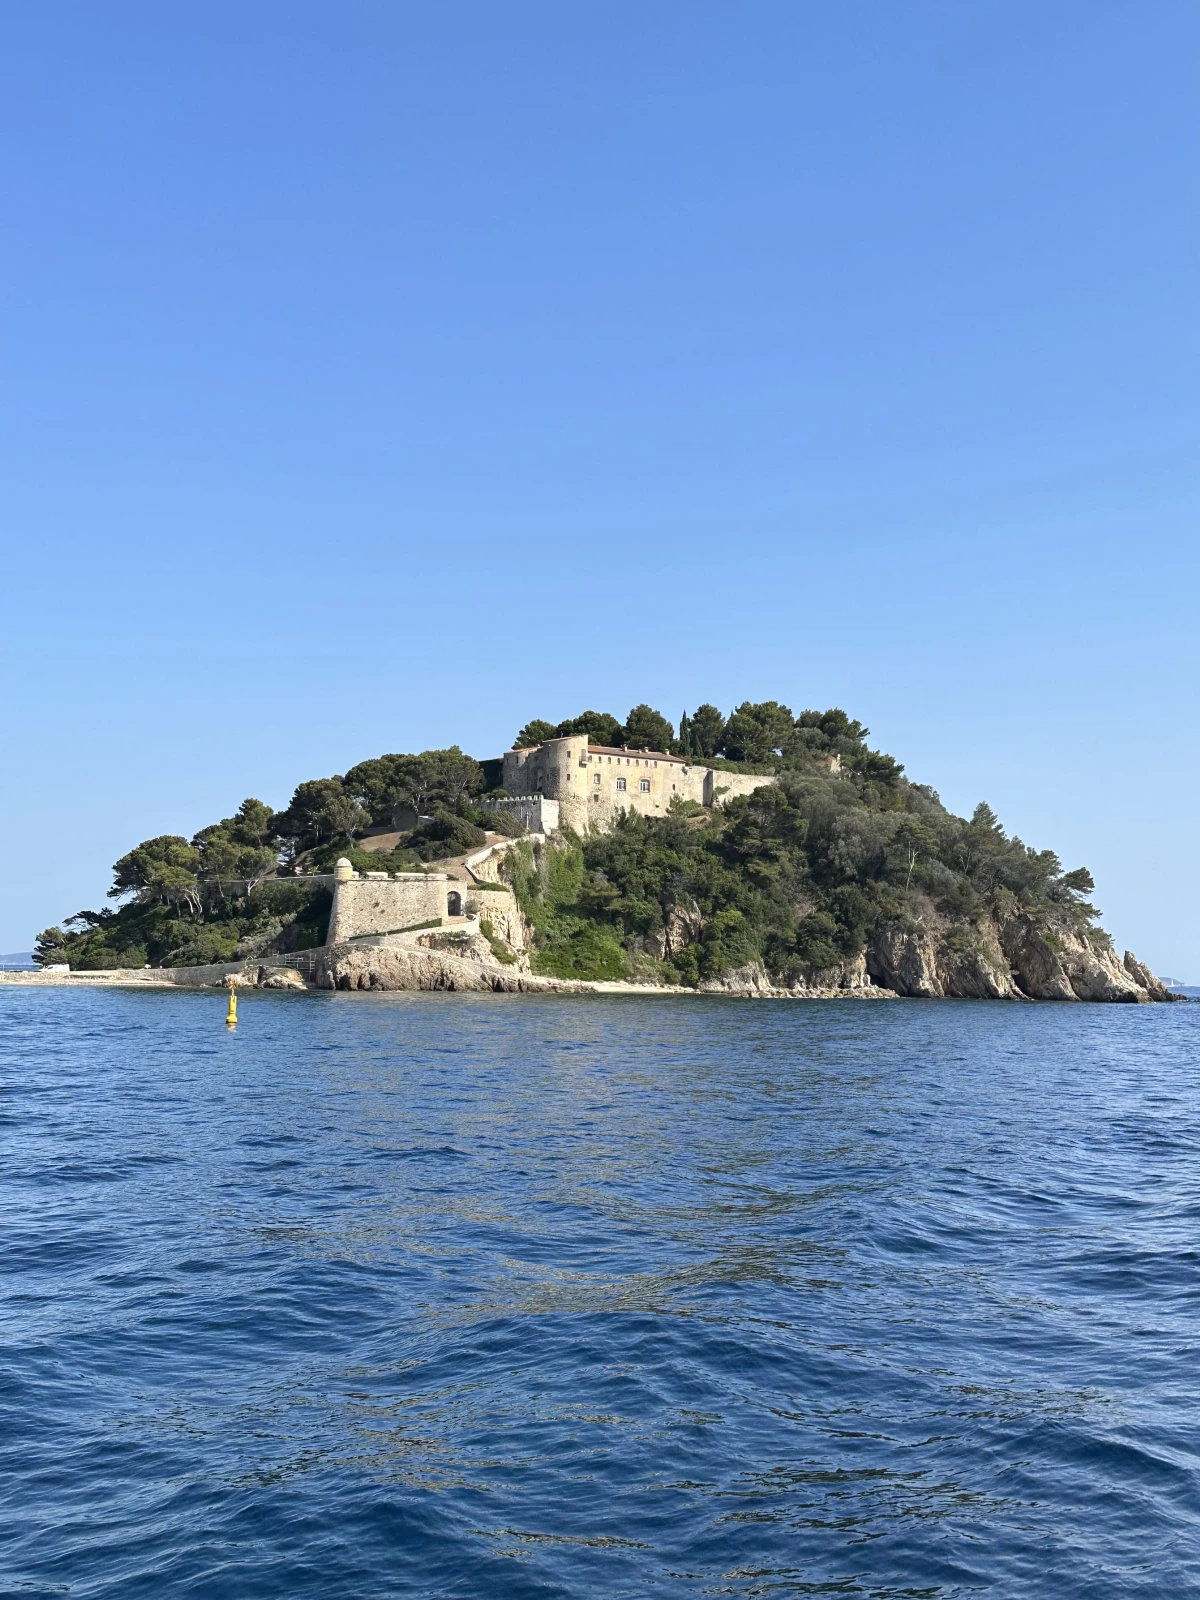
441, 1295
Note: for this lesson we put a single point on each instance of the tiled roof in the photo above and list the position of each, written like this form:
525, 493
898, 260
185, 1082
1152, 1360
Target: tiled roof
645, 755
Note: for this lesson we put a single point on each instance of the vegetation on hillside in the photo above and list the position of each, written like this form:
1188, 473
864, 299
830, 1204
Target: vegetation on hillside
238, 888
798, 875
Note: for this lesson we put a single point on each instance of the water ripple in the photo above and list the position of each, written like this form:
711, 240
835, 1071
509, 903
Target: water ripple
467, 1296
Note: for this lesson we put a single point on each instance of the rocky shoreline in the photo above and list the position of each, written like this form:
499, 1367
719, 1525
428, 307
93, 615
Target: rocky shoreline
1021, 962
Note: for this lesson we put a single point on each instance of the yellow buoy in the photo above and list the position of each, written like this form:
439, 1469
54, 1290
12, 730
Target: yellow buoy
231, 1014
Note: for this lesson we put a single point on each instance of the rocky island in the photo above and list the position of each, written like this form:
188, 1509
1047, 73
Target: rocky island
759, 854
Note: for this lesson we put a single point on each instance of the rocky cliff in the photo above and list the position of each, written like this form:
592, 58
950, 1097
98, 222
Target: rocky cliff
1014, 957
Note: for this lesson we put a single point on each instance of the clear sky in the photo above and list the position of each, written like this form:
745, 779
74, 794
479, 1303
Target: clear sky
379, 375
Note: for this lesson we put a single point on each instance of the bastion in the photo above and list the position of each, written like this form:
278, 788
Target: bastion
375, 902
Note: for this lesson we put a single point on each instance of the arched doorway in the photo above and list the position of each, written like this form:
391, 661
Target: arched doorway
454, 904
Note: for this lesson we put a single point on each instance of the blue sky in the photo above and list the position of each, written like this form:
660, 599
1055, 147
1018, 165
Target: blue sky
378, 376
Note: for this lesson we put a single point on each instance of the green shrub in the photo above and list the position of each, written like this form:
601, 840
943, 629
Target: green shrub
446, 834
100, 958
402, 859
589, 952
502, 822
206, 944
499, 949
645, 968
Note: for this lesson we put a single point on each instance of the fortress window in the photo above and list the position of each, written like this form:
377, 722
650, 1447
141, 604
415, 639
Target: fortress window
620, 783
644, 786
596, 778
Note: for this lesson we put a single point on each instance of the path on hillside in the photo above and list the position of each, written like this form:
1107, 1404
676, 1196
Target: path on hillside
453, 866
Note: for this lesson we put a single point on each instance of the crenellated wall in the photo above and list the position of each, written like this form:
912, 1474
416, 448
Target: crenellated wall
537, 812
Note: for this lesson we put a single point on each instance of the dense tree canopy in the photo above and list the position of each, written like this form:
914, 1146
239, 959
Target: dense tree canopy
162, 869
535, 732
762, 734
702, 735
433, 778
240, 846
759, 732
601, 726
647, 729
643, 729
321, 809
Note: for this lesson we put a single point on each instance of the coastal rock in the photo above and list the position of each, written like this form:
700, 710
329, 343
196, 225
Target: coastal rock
467, 946
1020, 958
409, 967
906, 961
850, 977
1059, 964
976, 968
848, 981
500, 908
747, 980
280, 978
1145, 979
683, 926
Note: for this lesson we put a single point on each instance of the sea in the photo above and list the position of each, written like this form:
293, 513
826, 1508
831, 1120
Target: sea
608, 1296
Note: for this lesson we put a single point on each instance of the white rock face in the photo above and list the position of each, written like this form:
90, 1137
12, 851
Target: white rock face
1141, 975
280, 978
1018, 958
1060, 964
906, 962
412, 967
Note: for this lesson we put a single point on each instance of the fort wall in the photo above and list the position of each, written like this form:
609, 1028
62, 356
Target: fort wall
595, 784
722, 787
375, 903
536, 812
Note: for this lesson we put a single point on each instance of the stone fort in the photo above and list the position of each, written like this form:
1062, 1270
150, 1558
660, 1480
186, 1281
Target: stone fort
594, 783
566, 781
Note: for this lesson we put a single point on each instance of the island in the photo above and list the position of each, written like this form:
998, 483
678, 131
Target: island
755, 854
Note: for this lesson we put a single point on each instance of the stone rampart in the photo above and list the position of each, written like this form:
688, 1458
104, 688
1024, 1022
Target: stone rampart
379, 904
722, 787
536, 812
